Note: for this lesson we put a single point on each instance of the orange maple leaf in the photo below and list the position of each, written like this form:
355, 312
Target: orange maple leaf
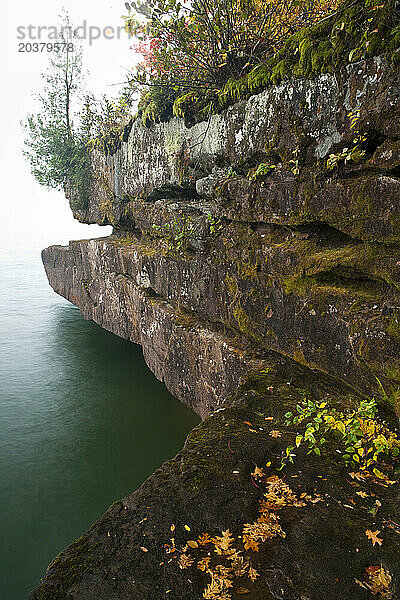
373, 536
249, 543
258, 472
204, 539
223, 542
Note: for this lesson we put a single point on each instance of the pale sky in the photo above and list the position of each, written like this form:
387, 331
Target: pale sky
30, 215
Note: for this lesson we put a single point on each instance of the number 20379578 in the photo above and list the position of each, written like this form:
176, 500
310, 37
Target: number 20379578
45, 47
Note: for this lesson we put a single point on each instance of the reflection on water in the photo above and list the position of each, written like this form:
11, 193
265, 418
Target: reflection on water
82, 423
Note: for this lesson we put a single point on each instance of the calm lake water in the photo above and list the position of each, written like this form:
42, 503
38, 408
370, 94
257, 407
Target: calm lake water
82, 422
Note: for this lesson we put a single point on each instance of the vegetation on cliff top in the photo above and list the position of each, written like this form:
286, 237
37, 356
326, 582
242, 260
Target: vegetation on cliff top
202, 44
197, 60
356, 30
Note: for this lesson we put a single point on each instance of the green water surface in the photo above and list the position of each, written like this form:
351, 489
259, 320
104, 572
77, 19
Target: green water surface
82, 423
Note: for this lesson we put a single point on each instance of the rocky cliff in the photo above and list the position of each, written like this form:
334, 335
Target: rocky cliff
256, 251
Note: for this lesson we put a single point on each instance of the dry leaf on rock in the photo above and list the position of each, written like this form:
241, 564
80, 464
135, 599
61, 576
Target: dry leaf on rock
275, 433
203, 564
258, 472
249, 543
252, 574
373, 536
377, 580
204, 539
185, 561
223, 542
362, 494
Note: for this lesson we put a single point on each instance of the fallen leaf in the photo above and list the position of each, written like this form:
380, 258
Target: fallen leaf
317, 498
268, 418
242, 590
223, 542
275, 433
362, 494
252, 574
258, 472
172, 528
202, 565
248, 423
359, 476
187, 527
249, 543
185, 561
204, 539
143, 549
373, 536
192, 544
377, 580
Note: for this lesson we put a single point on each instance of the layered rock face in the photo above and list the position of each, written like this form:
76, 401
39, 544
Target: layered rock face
256, 249
272, 245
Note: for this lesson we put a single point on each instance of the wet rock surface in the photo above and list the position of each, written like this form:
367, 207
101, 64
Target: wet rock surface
208, 488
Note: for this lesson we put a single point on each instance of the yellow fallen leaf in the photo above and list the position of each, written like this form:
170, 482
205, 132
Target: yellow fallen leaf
275, 433
258, 472
252, 574
249, 543
143, 549
223, 542
362, 494
192, 544
204, 539
187, 527
373, 536
202, 565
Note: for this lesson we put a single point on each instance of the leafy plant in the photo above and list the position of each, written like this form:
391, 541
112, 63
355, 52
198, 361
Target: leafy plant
177, 231
202, 44
354, 154
214, 225
294, 162
105, 120
360, 439
262, 170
